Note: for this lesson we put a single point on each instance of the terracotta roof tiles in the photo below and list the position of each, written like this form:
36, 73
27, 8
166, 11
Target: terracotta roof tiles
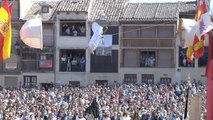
155, 11
74, 5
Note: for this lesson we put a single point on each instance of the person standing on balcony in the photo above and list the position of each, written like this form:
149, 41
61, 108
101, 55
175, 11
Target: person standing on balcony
69, 63
82, 31
63, 62
82, 63
74, 31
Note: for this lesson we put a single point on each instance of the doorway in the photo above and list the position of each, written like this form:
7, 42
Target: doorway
74, 83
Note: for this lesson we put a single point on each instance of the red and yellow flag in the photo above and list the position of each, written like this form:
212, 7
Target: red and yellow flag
5, 31
198, 45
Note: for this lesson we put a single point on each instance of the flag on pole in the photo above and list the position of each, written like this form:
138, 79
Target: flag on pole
194, 33
5, 31
187, 31
96, 37
209, 71
31, 33
204, 21
197, 49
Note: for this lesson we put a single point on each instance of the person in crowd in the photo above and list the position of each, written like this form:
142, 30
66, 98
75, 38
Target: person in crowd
94, 102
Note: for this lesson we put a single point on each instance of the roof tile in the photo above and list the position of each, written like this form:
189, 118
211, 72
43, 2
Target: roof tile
74, 5
155, 11
112, 9
36, 9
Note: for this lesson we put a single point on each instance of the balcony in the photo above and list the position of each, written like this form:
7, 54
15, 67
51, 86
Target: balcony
36, 60
139, 42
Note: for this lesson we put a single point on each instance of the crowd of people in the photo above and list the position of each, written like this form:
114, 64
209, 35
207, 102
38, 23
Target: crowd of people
99, 102
72, 63
74, 29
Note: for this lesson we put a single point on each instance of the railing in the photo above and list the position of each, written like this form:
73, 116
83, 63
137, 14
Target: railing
33, 66
147, 42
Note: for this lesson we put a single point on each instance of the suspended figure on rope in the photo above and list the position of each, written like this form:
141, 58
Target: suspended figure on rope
98, 30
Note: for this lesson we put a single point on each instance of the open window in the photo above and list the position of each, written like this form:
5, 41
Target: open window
183, 58
148, 59
73, 28
72, 60
202, 61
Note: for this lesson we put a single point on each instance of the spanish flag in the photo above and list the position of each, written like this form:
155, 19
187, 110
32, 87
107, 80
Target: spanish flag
5, 31
197, 49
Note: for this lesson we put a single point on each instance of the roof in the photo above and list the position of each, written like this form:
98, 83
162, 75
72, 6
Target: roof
111, 9
36, 9
74, 5
156, 11
188, 7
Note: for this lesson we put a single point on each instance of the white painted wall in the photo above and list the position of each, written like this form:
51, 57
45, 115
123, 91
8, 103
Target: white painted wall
86, 78
195, 73
67, 42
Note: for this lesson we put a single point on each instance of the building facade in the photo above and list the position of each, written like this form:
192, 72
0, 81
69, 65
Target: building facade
145, 47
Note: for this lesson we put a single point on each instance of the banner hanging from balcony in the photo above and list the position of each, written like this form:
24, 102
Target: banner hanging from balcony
105, 46
45, 64
31, 33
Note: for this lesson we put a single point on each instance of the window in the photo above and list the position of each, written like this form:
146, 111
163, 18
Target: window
104, 64
72, 60
45, 9
37, 61
29, 61
30, 81
202, 61
147, 78
73, 28
165, 80
148, 59
183, 59
130, 78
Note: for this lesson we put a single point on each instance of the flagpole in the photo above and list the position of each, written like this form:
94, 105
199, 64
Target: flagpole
209, 70
12, 2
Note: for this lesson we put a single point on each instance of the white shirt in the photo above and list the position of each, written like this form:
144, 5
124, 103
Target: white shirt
126, 118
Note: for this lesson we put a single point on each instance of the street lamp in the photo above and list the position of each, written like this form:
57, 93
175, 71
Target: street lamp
18, 47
